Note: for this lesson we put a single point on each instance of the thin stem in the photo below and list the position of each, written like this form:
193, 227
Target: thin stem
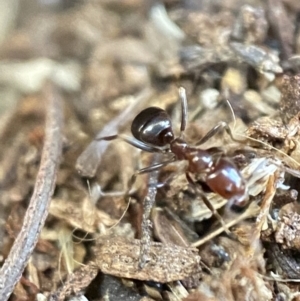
148, 203
37, 211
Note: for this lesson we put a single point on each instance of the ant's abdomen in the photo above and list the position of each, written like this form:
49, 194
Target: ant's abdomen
226, 180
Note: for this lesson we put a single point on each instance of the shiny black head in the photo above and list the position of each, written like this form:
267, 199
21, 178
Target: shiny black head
153, 126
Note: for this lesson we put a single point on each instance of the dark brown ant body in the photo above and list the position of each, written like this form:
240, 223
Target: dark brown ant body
152, 131
153, 127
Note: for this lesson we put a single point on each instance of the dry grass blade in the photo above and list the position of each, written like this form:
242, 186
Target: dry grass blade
37, 211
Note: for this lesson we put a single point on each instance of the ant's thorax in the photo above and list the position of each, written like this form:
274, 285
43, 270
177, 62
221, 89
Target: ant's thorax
199, 160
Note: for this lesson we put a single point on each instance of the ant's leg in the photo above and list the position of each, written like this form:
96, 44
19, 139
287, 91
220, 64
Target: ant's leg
148, 169
138, 144
132, 141
184, 110
208, 204
132, 180
221, 126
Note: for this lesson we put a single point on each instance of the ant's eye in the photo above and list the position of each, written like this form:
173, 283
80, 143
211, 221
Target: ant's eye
153, 126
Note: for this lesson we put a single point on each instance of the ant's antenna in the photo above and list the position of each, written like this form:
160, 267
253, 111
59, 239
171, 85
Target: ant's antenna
184, 110
232, 112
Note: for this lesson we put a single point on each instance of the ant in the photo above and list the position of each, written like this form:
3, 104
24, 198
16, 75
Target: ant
153, 132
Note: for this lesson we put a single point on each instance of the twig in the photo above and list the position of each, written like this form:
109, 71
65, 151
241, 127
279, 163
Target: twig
37, 211
147, 206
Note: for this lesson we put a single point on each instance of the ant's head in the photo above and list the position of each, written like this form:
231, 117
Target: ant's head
153, 126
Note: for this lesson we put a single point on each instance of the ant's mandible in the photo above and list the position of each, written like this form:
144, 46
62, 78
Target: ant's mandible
152, 131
